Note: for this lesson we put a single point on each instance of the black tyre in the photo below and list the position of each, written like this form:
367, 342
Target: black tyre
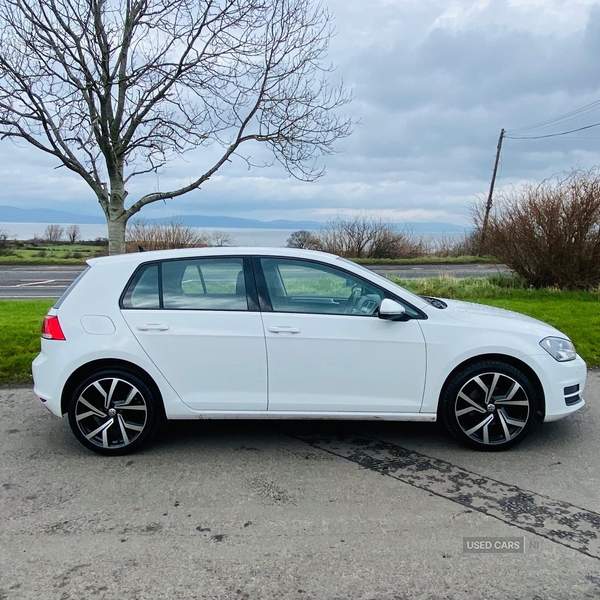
113, 412
489, 406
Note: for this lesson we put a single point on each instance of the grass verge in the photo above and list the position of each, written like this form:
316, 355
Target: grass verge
20, 338
49, 254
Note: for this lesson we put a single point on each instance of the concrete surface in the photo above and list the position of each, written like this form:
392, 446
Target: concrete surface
302, 510
30, 281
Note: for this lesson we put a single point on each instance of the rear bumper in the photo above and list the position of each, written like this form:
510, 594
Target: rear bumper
47, 385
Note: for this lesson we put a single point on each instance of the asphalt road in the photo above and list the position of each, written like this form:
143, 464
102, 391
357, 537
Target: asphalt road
300, 510
50, 282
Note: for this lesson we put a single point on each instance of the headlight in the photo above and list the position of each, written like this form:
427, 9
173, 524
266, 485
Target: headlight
558, 348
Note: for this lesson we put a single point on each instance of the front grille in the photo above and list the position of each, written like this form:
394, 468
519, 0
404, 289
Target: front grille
572, 395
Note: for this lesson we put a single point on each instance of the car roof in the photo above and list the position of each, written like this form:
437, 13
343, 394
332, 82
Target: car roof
141, 257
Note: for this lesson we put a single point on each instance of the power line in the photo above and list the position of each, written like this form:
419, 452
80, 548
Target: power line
570, 116
549, 135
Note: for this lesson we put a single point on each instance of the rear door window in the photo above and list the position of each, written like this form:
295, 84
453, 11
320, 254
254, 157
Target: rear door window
195, 284
204, 284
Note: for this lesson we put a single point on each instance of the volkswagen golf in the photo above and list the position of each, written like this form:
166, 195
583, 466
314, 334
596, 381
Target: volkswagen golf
252, 333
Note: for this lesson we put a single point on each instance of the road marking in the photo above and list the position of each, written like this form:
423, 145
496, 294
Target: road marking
36, 283
561, 522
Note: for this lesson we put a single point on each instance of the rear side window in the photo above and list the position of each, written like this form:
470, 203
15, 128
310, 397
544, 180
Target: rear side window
204, 284
197, 284
71, 287
142, 292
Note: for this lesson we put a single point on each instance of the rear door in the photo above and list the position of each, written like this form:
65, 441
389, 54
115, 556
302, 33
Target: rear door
198, 321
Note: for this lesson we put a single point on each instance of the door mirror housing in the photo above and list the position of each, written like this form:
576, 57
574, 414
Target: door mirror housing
392, 311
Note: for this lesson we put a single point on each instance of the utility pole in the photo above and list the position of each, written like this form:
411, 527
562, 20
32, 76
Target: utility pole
488, 206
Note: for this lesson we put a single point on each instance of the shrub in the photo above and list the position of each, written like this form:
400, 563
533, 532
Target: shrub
163, 237
466, 244
305, 240
549, 233
361, 237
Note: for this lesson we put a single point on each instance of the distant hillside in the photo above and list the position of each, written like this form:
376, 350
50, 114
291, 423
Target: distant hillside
238, 223
11, 214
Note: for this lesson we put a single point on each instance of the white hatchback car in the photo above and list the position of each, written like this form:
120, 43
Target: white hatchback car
270, 333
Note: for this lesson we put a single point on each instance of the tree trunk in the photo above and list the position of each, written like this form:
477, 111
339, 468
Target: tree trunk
116, 235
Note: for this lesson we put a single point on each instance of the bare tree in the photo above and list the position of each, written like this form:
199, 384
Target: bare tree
115, 89
73, 233
220, 239
4, 237
53, 234
303, 239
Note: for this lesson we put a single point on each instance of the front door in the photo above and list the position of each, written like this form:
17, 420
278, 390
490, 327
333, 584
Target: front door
196, 321
327, 349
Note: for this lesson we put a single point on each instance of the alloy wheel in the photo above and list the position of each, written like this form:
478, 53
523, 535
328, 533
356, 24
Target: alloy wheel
111, 413
492, 408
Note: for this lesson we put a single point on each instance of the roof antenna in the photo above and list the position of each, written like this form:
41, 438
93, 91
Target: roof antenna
140, 249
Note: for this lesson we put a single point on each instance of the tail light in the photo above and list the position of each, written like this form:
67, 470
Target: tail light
51, 329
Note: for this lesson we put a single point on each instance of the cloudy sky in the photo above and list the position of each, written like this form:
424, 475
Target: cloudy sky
434, 81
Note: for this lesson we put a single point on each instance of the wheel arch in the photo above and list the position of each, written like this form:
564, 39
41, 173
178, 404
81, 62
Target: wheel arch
108, 363
510, 360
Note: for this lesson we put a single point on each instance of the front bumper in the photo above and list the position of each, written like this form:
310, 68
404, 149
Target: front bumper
556, 377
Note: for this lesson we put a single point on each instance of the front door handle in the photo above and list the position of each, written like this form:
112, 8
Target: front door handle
284, 330
152, 327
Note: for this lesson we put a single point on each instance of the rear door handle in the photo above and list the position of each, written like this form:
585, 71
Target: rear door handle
152, 327
284, 330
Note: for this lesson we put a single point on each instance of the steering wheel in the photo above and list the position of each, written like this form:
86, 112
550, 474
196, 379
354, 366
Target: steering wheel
353, 299
367, 305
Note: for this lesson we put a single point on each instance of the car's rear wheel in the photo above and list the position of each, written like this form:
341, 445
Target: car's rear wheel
489, 405
113, 412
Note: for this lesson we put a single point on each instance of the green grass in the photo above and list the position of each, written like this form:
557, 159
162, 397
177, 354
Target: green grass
577, 314
20, 337
49, 254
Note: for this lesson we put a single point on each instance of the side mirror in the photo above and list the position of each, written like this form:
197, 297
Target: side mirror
392, 310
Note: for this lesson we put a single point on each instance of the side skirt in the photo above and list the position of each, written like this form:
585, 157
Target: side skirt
306, 415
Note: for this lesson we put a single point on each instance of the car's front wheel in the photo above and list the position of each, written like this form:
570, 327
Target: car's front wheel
113, 412
489, 405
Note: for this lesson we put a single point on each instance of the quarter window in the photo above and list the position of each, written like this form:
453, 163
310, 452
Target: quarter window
142, 292
306, 287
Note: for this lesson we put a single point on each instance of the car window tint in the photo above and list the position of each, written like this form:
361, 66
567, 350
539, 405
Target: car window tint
302, 286
204, 284
142, 292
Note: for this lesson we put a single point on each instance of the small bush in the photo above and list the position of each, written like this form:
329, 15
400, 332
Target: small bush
163, 237
549, 233
304, 240
447, 246
361, 237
